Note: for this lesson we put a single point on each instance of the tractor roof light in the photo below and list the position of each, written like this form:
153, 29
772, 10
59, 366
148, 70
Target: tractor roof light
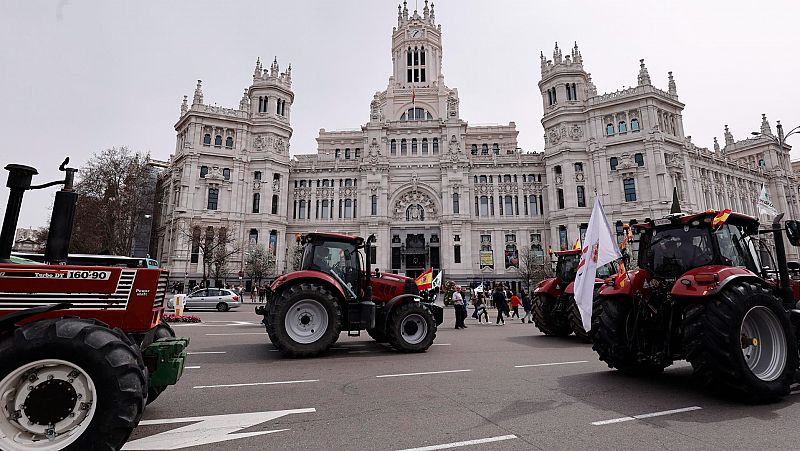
706, 279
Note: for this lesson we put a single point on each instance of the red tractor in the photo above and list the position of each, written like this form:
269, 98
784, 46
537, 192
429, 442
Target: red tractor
554, 309
336, 291
701, 294
82, 348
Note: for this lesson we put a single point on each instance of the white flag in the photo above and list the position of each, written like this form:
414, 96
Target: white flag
599, 248
764, 205
437, 281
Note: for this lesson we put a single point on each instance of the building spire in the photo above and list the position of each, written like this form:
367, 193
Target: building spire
198, 93
592, 87
716, 145
728, 136
425, 11
273, 69
644, 76
184, 105
765, 128
257, 70
405, 9
672, 89
576, 54
557, 55
433, 15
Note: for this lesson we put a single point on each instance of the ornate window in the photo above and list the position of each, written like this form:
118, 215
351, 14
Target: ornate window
456, 205
416, 114
252, 237
560, 195
484, 149
257, 175
578, 167
436, 146
326, 205
403, 147
213, 198
508, 205
474, 149
507, 178
609, 129
424, 146
229, 142
274, 204
207, 139
629, 185
415, 65
562, 237
613, 162
393, 147
302, 210
256, 202
413, 146
218, 140
226, 173
557, 169
203, 171
639, 159
484, 206
348, 208
581, 196
374, 205
622, 127
635, 125
347, 153
482, 179
496, 149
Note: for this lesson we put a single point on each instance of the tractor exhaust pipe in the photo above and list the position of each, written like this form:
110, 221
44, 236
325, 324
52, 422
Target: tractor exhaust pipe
785, 289
19, 180
60, 233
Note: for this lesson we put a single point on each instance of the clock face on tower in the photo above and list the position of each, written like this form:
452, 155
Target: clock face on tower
416, 32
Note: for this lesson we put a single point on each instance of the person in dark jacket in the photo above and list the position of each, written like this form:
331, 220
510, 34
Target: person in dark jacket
499, 298
527, 305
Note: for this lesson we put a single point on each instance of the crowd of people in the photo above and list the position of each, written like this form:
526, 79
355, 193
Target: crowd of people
506, 302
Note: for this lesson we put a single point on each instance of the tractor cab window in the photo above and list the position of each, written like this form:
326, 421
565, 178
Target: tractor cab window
607, 270
339, 259
733, 249
670, 252
567, 267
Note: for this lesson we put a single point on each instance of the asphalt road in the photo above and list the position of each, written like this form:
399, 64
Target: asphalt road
495, 387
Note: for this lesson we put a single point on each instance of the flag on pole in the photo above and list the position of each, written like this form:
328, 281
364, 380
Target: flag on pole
628, 236
599, 247
720, 218
425, 280
622, 274
577, 244
413, 96
437, 281
764, 205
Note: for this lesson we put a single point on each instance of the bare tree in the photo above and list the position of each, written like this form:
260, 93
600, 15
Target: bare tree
116, 190
259, 264
295, 257
215, 245
532, 269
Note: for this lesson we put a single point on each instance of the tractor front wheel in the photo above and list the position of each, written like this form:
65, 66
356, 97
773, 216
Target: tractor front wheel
741, 342
69, 384
411, 328
547, 318
576, 322
305, 320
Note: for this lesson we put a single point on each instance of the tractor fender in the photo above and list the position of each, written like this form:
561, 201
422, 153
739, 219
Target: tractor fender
548, 286
308, 275
634, 281
570, 290
687, 285
9, 321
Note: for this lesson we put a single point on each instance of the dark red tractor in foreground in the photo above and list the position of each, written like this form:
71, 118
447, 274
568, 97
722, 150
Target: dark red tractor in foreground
554, 309
82, 348
336, 291
701, 294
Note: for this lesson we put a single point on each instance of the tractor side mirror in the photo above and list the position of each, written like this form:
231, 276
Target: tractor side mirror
793, 232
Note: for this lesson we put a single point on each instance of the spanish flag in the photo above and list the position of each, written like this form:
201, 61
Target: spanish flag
622, 275
425, 280
720, 218
577, 245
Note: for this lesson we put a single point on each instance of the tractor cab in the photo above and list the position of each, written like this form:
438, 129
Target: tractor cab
567, 266
337, 256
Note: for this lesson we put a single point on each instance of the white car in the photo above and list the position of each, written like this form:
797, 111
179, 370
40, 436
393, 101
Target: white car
210, 298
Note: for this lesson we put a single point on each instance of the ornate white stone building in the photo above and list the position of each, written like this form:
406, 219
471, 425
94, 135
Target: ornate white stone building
437, 191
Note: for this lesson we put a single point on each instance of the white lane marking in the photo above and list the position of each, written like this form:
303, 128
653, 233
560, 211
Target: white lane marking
645, 415
206, 352
257, 383
208, 429
423, 373
479, 441
440, 344
239, 333
191, 367
551, 364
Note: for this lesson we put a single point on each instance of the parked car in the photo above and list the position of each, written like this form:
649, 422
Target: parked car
210, 298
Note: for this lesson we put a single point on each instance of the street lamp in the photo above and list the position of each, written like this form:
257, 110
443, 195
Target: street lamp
781, 138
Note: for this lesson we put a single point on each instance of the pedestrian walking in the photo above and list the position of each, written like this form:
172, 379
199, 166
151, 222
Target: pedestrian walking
458, 307
499, 298
527, 306
480, 308
261, 293
515, 302
253, 292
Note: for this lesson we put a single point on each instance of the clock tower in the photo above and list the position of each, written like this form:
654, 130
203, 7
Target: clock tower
416, 47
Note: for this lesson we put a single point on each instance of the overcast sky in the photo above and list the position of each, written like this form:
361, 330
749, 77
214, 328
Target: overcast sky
80, 76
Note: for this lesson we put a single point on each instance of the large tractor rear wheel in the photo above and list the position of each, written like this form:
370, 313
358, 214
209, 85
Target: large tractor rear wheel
69, 384
612, 322
411, 328
741, 342
305, 320
163, 330
576, 322
547, 319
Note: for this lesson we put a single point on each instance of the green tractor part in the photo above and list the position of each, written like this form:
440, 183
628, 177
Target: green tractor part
166, 358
